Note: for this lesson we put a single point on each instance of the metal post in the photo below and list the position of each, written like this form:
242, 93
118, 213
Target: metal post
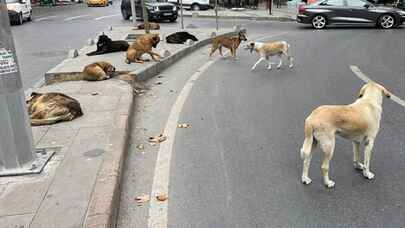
181, 14
16, 144
133, 12
145, 16
270, 3
216, 13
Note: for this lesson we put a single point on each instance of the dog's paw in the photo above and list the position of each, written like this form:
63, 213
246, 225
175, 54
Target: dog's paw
330, 184
367, 174
358, 166
291, 66
306, 180
252, 69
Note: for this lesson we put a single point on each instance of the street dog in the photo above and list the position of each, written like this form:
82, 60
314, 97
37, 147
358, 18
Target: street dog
180, 38
152, 26
106, 45
141, 45
358, 122
51, 108
232, 43
267, 50
97, 71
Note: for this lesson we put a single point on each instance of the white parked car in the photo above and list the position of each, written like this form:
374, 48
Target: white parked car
19, 10
193, 4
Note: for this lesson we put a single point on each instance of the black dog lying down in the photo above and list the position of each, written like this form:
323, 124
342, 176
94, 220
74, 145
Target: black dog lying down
180, 38
106, 45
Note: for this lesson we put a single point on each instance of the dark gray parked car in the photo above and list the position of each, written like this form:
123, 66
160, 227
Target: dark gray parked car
327, 12
157, 10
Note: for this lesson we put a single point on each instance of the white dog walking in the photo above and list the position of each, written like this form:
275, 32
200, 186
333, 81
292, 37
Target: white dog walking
266, 50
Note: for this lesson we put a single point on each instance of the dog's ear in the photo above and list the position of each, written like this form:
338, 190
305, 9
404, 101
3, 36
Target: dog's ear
362, 90
34, 94
385, 92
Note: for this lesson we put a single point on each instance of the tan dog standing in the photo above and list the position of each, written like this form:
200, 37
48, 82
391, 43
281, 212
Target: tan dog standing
232, 43
358, 122
143, 44
50, 108
266, 50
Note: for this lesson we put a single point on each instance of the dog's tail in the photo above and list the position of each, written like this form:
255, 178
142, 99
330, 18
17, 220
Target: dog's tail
308, 141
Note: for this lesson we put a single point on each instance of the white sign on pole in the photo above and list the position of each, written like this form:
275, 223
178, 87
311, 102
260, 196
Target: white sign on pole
7, 62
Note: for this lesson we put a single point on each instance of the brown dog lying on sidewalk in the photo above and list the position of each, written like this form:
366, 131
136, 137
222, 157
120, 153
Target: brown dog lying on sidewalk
152, 26
50, 108
141, 45
93, 72
358, 122
232, 43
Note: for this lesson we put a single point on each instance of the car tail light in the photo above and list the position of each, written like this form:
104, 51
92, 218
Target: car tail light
301, 9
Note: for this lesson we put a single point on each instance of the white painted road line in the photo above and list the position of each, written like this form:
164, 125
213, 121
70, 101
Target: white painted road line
356, 70
76, 17
103, 17
45, 18
158, 210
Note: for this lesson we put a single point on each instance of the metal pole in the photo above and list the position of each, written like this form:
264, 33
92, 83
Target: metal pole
145, 16
216, 13
181, 14
133, 12
270, 3
16, 144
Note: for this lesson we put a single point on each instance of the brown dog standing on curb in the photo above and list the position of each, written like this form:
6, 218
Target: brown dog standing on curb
358, 122
230, 42
50, 108
143, 44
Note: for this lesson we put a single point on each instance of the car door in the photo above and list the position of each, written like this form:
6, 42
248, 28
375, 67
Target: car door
359, 11
333, 10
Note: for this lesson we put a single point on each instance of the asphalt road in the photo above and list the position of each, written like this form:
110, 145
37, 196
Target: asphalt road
239, 164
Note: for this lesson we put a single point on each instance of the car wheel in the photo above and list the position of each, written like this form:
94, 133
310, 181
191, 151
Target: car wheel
125, 15
386, 21
29, 17
319, 22
20, 19
195, 7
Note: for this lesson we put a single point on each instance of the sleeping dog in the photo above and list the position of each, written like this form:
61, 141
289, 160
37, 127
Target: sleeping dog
50, 108
106, 45
266, 50
180, 38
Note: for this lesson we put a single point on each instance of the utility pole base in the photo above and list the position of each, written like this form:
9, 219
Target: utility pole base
42, 156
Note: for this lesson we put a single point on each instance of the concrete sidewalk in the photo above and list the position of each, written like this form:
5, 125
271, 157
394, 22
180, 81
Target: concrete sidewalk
285, 13
80, 187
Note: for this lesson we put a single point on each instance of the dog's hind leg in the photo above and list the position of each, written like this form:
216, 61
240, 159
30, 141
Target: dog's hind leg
220, 51
306, 153
356, 156
280, 57
258, 61
327, 143
367, 154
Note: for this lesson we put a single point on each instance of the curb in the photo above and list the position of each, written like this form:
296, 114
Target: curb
272, 18
104, 202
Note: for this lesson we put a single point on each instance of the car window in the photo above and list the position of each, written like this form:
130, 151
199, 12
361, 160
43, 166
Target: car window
356, 3
332, 3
